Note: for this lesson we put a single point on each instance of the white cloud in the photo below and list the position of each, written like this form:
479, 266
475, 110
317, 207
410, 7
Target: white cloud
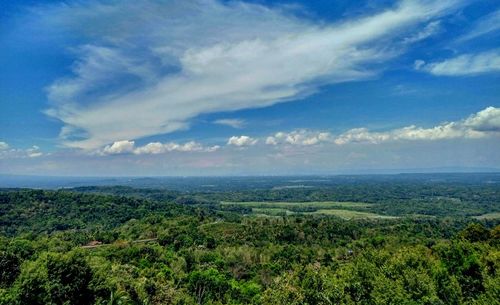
158, 148
271, 141
483, 124
466, 64
119, 147
418, 64
7, 152
241, 141
486, 25
235, 123
148, 67
429, 30
361, 135
299, 137
153, 148
34, 152
479, 125
487, 120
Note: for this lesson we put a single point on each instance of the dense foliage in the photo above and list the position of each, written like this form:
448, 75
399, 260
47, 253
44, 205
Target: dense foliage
37, 211
394, 198
61, 247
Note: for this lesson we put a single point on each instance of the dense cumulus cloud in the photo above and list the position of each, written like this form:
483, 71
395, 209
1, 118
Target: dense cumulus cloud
241, 141
483, 124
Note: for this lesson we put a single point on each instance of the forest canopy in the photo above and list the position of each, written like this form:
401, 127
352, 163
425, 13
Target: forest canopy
122, 245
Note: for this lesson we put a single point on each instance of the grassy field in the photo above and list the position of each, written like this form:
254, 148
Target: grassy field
350, 214
272, 211
346, 210
495, 215
288, 205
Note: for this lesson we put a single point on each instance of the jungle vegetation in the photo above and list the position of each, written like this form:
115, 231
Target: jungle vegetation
122, 245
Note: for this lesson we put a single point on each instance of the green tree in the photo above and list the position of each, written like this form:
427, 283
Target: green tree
69, 277
9, 268
475, 232
31, 286
207, 285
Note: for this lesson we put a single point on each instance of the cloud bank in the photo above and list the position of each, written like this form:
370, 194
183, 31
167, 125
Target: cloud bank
6, 152
148, 67
470, 142
483, 124
153, 148
299, 137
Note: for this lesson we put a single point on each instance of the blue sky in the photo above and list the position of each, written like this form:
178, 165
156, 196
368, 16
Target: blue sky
248, 87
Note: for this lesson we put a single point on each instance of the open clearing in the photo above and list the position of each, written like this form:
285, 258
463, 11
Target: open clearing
345, 214
346, 210
495, 215
349, 214
288, 205
272, 211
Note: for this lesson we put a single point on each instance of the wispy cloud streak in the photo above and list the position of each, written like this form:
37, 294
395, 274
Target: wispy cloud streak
148, 67
486, 25
235, 123
465, 64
